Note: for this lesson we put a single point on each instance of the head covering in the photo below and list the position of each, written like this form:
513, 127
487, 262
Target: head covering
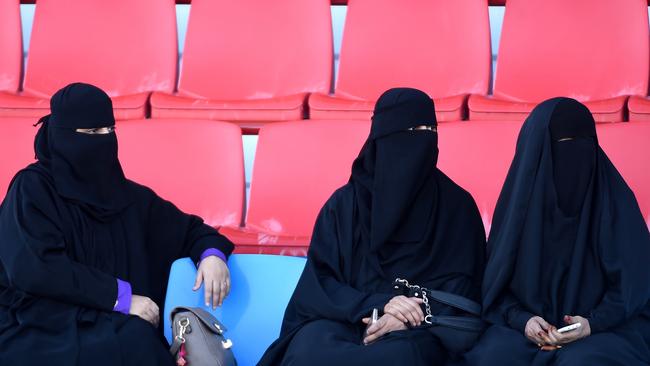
568, 237
85, 167
393, 174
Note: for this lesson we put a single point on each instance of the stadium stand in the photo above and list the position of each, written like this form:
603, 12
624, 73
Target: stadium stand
260, 291
128, 48
593, 51
197, 165
440, 47
298, 165
251, 61
639, 108
11, 46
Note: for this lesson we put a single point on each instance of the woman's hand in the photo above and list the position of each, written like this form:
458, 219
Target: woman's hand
145, 308
386, 324
573, 335
537, 331
405, 309
214, 272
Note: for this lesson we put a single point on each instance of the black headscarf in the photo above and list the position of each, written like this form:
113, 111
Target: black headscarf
568, 237
398, 216
84, 167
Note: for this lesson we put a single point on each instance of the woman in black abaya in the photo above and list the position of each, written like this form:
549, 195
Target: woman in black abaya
398, 216
85, 253
568, 245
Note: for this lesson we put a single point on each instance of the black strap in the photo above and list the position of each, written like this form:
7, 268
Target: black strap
455, 301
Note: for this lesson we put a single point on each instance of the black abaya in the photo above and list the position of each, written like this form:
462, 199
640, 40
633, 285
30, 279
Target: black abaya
568, 238
62, 251
426, 230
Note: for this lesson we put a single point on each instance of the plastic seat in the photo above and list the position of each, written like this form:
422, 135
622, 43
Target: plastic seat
626, 144
11, 46
128, 48
16, 148
441, 47
639, 108
197, 165
261, 288
298, 165
477, 157
593, 51
251, 61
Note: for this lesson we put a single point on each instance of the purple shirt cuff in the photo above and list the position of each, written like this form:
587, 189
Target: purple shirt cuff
215, 252
124, 294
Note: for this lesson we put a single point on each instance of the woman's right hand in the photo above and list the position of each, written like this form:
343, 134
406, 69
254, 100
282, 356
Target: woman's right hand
537, 330
145, 308
405, 309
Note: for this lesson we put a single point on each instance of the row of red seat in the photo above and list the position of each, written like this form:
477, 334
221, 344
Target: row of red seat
255, 61
199, 166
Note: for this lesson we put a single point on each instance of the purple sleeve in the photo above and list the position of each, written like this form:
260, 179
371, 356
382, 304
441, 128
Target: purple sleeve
213, 251
124, 294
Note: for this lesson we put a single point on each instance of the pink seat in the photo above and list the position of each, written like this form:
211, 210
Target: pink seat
298, 165
197, 165
11, 46
639, 108
593, 51
477, 157
251, 61
441, 47
128, 48
627, 146
16, 148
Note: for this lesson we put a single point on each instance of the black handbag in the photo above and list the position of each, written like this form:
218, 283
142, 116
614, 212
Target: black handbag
457, 333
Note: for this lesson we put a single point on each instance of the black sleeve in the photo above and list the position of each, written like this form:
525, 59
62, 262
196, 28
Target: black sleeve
183, 235
33, 251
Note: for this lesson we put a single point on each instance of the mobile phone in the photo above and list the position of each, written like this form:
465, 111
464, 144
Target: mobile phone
569, 328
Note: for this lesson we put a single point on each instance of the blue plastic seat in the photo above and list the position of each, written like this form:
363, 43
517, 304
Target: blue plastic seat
261, 288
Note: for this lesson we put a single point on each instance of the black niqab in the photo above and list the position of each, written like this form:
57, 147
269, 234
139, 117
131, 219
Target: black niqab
568, 237
85, 167
398, 216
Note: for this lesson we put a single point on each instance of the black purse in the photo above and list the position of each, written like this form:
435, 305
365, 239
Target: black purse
456, 333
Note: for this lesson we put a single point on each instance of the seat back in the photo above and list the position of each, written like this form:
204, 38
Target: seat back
256, 49
298, 165
626, 145
123, 46
441, 47
197, 165
11, 44
261, 286
16, 148
584, 49
477, 157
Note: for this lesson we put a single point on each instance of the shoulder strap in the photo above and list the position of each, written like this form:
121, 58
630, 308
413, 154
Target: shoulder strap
455, 301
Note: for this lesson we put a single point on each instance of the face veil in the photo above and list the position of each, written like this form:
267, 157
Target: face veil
85, 167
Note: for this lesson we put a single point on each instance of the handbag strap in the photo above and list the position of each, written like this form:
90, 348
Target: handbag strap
456, 301
205, 317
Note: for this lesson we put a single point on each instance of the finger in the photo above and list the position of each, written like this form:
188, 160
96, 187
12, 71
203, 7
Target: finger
375, 327
365, 320
542, 323
415, 306
416, 299
222, 293
545, 338
554, 337
412, 319
392, 310
198, 281
207, 292
371, 337
569, 319
216, 293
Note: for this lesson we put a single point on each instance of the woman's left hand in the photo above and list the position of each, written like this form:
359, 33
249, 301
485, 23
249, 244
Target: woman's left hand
214, 272
386, 324
558, 338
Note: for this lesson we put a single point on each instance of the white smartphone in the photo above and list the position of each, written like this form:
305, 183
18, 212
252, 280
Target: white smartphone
569, 328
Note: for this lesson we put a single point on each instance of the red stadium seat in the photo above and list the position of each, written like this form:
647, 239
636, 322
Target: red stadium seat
251, 61
197, 165
11, 46
16, 148
639, 108
593, 51
128, 48
298, 165
477, 157
441, 47
628, 147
